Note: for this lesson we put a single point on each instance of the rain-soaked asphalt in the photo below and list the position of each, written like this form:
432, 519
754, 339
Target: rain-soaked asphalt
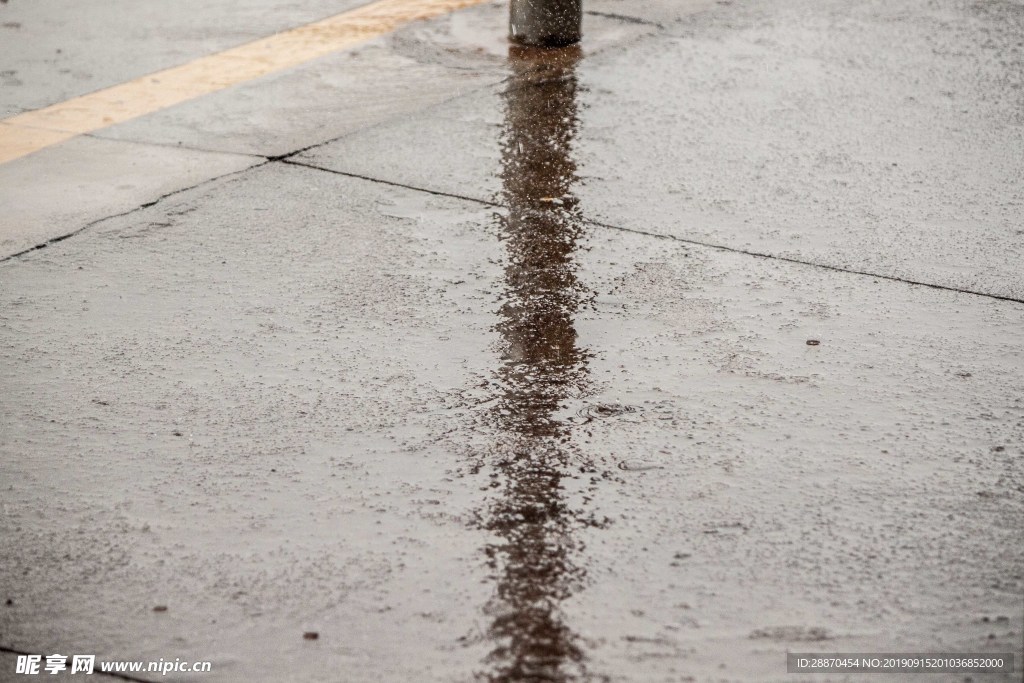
606, 363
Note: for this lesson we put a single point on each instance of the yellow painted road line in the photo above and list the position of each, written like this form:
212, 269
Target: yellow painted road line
31, 131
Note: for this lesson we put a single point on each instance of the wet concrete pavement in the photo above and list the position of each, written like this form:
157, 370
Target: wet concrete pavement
513, 381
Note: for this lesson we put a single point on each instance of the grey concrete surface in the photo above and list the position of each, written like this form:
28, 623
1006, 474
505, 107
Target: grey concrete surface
60, 190
533, 430
878, 137
281, 424
53, 50
420, 65
423, 64
195, 141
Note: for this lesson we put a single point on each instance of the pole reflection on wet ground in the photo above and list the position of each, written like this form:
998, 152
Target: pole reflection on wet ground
535, 555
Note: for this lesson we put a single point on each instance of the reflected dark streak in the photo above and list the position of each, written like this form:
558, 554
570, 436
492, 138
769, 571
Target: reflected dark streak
534, 556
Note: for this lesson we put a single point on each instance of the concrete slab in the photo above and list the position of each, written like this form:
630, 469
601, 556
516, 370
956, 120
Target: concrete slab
59, 190
424, 64
291, 401
398, 75
481, 437
53, 50
322, 101
877, 137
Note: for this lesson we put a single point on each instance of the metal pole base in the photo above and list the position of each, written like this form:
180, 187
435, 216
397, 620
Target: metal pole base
545, 23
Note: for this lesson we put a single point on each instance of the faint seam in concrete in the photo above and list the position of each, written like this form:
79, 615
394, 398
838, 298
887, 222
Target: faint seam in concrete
168, 145
625, 18
285, 155
683, 240
111, 674
385, 122
371, 179
146, 205
824, 266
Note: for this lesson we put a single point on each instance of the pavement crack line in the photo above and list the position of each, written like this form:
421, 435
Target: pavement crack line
391, 183
388, 120
264, 159
110, 674
624, 18
145, 205
171, 145
674, 238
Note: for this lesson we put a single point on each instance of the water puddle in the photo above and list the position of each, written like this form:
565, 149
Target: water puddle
535, 557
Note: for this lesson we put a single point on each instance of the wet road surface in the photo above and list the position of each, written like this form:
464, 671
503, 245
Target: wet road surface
536, 559
513, 389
